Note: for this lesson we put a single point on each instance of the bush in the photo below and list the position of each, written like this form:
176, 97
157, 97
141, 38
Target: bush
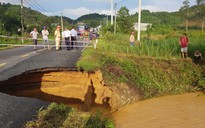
62, 116
97, 121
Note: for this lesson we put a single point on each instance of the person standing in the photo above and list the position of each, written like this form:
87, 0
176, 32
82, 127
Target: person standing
73, 38
57, 35
86, 36
183, 41
132, 39
34, 35
45, 34
67, 35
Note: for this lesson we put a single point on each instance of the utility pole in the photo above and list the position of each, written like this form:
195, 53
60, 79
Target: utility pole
139, 21
112, 12
22, 26
1, 27
115, 18
202, 25
62, 22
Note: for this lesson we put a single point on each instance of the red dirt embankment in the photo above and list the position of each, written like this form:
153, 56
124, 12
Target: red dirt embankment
70, 87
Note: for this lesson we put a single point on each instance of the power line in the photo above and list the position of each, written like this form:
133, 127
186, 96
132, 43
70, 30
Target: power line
30, 5
39, 6
35, 5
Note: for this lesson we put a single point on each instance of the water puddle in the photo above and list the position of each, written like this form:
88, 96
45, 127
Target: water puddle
181, 111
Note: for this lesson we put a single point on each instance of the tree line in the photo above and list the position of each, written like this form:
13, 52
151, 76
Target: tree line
10, 19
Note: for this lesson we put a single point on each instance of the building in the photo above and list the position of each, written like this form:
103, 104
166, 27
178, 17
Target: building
143, 26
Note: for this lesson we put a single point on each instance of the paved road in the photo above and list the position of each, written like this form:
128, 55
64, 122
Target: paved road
15, 111
16, 61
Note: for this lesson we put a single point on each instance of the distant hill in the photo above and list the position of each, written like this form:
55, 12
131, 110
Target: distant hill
196, 13
92, 20
93, 16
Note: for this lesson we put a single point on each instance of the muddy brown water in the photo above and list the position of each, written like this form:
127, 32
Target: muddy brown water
180, 111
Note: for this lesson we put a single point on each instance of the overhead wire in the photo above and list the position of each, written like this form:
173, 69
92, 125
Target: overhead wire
31, 5
39, 6
43, 8
35, 5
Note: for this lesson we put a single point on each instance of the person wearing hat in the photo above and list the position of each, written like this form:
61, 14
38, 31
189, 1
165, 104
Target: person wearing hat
45, 34
57, 35
132, 39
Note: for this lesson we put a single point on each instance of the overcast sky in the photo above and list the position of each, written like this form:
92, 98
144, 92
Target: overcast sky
76, 8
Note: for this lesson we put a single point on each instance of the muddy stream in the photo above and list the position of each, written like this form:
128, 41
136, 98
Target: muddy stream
181, 111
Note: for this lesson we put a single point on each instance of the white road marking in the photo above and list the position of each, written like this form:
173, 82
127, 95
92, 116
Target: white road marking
2, 64
28, 54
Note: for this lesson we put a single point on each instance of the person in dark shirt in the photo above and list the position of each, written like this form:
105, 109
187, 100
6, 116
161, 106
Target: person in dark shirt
197, 55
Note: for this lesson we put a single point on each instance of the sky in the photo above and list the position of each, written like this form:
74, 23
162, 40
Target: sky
76, 8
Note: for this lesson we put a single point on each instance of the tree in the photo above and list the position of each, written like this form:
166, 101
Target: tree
185, 12
124, 20
200, 2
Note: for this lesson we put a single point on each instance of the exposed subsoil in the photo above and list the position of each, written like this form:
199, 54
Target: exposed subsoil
69, 86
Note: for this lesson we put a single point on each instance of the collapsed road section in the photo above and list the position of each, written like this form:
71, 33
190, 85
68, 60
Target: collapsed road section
69, 86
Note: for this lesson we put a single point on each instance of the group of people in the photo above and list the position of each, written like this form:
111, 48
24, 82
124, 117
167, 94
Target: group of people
70, 37
183, 41
44, 33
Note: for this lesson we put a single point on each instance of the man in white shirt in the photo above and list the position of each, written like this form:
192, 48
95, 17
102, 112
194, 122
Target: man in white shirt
45, 34
73, 38
34, 34
67, 35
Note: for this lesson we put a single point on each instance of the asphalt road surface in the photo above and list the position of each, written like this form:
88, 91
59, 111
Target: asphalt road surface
15, 111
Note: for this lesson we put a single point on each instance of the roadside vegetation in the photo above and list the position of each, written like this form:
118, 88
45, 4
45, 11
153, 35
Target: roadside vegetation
9, 41
62, 116
154, 66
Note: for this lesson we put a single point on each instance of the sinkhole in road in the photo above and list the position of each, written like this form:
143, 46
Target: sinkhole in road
61, 85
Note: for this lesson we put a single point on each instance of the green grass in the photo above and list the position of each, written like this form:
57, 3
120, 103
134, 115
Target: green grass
166, 47
10, 41
155, 67
62, 116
